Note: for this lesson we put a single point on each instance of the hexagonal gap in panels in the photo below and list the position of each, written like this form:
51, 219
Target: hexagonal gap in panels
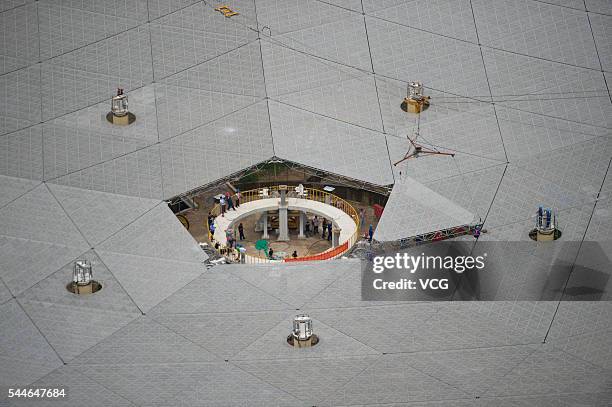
280, 211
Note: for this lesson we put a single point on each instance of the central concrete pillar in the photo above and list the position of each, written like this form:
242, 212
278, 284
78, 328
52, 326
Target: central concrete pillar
265, 225
283, 218
336, 236
302, 223
283, 225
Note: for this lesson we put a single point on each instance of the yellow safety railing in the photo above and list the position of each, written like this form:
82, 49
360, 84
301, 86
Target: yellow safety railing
311, 194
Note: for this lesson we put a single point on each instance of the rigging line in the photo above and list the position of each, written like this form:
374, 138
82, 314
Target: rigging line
471, 112
435, 146
161, 167
380, 110
319, 57
319, 85
573, 8
532, 100
13, 8
486, 73
566, 84
418, 120
558, 5
554, 117
40, 92
597, 52
263, 74
439, 34
349, 69
280, 43
343, 8
513, 108
587, 68
519, 122
418, 134
379, 132
429, 87
367, 72
479, 44
522, 110
541, 91
322, 60
538, 93
501, 179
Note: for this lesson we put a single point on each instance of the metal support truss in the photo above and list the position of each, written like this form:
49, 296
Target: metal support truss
326, 178
435, 236
336, 179
366, 250
215, 184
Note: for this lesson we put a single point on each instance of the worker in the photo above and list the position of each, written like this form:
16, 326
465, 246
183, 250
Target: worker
238, 196
230, 203
362, 216
222, 203
230, 237
241, 231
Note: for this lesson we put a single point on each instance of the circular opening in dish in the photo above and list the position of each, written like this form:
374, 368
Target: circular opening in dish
92, 287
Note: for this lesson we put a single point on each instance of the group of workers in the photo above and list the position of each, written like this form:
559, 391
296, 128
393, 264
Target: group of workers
226, 202
271, 254
326, 227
